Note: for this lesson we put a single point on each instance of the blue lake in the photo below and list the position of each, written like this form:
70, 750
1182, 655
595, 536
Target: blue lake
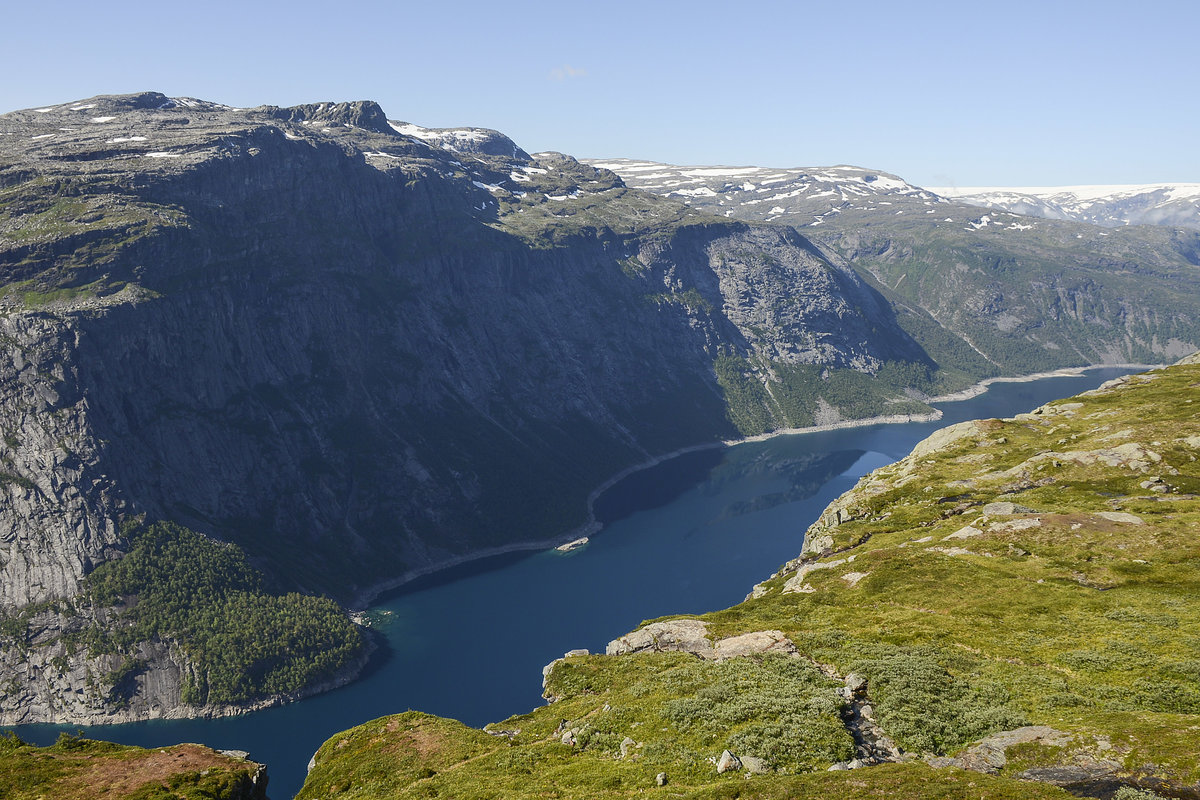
690, 535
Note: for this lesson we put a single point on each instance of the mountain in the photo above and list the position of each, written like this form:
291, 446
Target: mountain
1172, 204
1014, 292
256, 356
1009, 611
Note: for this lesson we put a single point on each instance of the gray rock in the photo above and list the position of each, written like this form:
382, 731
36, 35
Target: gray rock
626, 745
1067, 775
753, 643
681, 635
728, 762
989, 754
1005, 508
660, 779
755, 766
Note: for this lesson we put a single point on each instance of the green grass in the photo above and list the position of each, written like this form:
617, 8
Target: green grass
74, 768
1066, 618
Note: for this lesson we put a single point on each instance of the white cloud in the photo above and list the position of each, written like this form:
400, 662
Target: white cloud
566, 72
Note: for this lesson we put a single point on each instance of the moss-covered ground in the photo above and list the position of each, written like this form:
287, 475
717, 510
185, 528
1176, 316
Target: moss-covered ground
81, 769
1075, 606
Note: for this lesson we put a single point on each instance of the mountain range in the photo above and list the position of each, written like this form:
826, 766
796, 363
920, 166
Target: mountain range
311, 352
1172, 204
1021, 292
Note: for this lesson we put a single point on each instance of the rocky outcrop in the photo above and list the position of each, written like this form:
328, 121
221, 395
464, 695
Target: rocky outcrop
990, 754
679, 635
691, 636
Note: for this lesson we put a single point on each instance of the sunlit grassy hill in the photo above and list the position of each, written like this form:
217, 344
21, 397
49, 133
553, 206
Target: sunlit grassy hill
1013, 610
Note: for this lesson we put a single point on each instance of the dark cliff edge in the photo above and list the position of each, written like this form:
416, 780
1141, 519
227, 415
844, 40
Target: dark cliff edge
355, 350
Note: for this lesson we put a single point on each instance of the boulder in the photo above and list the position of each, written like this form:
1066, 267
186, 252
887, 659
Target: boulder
682, 635
753, 643
728, 762
755, 766
627, 744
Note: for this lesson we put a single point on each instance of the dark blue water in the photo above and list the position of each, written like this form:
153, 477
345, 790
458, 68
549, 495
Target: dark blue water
688, 536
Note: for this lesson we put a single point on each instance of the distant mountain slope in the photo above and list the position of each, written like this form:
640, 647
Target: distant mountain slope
1010, 610
1172, 204
1013, 291
357, 349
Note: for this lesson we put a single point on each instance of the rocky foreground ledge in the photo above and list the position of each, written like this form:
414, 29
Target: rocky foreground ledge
1011, 611
74, 767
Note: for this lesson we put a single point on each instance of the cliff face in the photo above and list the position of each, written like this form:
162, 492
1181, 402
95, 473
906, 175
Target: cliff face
355, 351
985, 289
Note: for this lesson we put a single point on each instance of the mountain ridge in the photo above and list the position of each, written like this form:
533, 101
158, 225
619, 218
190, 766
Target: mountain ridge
1110, 206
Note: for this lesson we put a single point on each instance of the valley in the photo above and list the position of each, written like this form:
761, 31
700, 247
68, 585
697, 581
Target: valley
264, 364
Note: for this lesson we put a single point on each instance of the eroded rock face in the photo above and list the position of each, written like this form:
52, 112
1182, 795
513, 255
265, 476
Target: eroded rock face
58, 507
54, 684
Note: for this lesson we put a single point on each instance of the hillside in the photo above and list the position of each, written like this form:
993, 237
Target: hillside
82, 769
1010, 611
1014, 292
353, 350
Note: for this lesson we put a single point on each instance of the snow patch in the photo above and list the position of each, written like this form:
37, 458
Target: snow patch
102, 119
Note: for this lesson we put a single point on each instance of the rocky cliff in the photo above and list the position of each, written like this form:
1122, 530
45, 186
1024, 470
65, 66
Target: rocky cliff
358, 348
983, 290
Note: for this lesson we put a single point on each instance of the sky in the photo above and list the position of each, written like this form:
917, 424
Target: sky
940, 93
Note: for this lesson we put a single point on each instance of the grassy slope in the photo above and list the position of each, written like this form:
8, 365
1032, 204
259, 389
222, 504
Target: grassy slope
81, 769
1064, 617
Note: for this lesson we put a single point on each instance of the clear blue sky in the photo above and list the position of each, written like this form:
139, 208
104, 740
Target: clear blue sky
1004, 93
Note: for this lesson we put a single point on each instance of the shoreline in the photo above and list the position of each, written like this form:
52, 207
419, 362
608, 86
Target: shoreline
1066, 372
363, 599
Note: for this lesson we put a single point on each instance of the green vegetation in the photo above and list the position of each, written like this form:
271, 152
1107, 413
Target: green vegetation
758, 403
69, 239
1080, 615
243, 643
749, 405
74, 768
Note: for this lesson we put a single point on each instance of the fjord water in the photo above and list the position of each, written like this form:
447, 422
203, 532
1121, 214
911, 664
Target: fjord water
690, 535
